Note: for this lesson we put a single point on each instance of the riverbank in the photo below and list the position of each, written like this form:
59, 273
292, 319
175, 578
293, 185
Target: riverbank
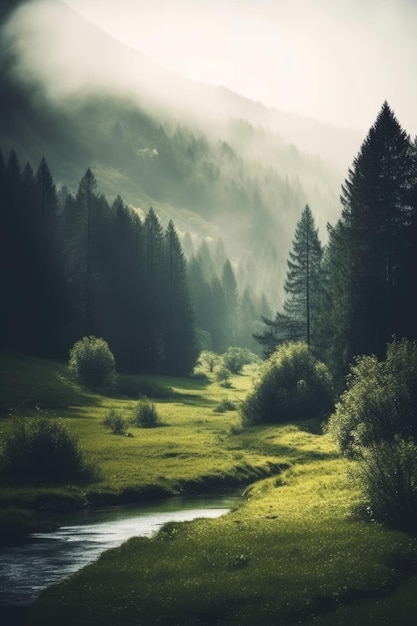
199, 447
45, 559
293, 552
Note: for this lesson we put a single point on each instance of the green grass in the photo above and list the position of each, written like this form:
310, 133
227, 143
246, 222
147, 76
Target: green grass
291, 553
28, 382
193, 449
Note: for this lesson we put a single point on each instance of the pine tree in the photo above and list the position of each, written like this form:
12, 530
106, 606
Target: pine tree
303, 283
179, 335
79, 223
377, 212
201, 297
335, 315
229, 285
153, 291
303, 286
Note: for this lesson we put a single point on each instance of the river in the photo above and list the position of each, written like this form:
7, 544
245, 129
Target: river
47, 558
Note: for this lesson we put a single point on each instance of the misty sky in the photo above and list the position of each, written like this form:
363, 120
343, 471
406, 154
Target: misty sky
335, 60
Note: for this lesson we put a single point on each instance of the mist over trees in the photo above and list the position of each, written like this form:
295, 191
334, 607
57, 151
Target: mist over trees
358, 293
76, 266
213, 162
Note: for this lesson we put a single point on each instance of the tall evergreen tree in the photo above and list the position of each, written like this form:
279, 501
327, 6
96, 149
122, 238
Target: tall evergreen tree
153, 260
229, 285
80, 221
179, 335
303, 286
335, 314
303, 283
377, 213
201, 297
11, 247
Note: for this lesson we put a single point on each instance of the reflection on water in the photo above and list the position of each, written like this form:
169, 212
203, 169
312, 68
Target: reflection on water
48, 558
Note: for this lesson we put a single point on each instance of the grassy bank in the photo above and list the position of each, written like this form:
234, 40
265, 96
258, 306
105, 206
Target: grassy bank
195, 448
294, 552
291, 554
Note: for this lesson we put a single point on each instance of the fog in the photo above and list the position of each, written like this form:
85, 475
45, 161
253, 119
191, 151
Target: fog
291, 88
334, 61
69, 56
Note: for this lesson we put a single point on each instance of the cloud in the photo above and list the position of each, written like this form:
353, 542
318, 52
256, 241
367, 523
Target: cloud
334, 61
337, 61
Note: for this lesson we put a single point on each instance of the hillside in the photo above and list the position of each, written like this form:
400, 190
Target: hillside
218, 164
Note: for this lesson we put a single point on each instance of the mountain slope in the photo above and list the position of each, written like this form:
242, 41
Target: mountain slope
210, 159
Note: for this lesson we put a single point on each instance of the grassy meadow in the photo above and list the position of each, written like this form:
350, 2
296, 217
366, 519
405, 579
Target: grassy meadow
295, 551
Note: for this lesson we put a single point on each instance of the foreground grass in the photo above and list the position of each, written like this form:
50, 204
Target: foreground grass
292, 553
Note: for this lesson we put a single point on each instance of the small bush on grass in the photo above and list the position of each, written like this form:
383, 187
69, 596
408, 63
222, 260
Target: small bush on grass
380, 401
208, 359
225, 405
375, 422
223, 377
145, 415
388, 475
42, 450
235, 358
292, 385
92, 363
115, 422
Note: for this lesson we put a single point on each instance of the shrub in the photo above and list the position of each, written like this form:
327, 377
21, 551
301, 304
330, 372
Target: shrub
292, 385
92, 363
145, 414
388, 476
43, 450
225, 405
208, 359
223, 377
115, 422
235, 358
380, 401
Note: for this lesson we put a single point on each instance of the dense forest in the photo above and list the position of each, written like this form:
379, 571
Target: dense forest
76, 265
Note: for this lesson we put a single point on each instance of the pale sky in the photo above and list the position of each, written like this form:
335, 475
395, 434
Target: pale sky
334, 60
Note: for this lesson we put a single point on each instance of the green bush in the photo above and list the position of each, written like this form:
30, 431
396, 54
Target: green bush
380, 401
208, 359
115, 422
92, 363
42, 450
145, 414
223, 377
292, 385
235, 358
225, 405
388, 476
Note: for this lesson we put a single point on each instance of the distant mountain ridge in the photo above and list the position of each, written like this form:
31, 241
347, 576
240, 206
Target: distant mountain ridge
219, 164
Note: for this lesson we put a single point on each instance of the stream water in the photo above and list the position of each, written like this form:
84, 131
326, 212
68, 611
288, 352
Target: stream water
48, 558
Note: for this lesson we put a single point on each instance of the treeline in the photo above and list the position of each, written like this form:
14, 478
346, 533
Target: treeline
89, 268
75, 265
359, 291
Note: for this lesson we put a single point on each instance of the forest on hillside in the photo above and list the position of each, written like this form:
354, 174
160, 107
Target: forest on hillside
76, 265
